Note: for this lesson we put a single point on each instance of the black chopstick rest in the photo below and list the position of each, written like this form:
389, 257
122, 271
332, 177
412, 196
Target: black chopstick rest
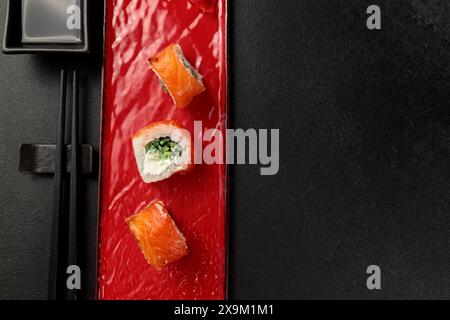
40, 159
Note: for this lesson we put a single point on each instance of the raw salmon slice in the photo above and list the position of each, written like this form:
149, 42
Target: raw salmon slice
177, 75
157, 235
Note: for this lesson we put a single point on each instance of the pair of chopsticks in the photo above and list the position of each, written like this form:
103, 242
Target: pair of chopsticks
64, 251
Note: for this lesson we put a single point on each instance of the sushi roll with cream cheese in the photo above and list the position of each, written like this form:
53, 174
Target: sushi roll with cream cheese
161, 150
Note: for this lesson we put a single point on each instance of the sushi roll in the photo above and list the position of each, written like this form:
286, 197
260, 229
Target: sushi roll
157, 235
161, 150
177, 75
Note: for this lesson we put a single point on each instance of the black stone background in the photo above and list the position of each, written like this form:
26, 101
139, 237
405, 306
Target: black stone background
365, 146
29, 98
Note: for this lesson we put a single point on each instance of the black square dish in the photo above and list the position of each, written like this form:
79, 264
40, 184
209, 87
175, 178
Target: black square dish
27, 32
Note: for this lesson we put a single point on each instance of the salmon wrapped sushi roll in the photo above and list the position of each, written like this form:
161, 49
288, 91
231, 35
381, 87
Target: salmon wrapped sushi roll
177, 76
157, 235
162, 149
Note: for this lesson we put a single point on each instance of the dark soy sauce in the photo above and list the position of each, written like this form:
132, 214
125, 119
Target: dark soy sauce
52, 21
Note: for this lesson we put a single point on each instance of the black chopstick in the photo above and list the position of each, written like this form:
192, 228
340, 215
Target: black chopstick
74, 174
60, 250
60, 162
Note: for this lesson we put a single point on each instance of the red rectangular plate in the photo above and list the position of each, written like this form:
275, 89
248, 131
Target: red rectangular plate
134, 98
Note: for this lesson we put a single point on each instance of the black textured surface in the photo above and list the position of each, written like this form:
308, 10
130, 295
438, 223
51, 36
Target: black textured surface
29, 95
364, 176
365, 135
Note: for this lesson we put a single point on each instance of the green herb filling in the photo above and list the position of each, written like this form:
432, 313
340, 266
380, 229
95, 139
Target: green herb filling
191, 69
163, 86
163, 148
